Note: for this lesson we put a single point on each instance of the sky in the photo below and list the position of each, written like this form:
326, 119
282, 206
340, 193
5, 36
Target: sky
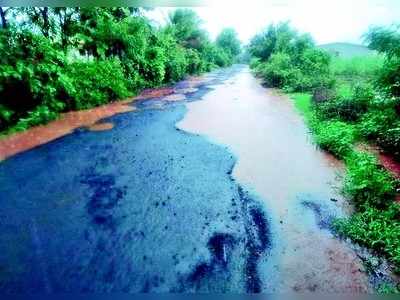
327, 20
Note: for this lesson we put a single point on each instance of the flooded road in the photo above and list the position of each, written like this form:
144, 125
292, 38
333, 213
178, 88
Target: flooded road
214, 188
297, 183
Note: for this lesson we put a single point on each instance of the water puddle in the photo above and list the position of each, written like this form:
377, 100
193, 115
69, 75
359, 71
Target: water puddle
297, 182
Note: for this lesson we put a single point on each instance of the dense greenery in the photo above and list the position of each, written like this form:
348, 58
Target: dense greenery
363, 107
59, 59
288, 60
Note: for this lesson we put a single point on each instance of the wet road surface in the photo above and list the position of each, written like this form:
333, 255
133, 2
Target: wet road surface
215, 188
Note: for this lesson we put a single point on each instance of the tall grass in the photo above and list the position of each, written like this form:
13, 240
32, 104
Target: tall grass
357, 67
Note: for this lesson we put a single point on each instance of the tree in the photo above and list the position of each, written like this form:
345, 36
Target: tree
229, 41
186, 26
67, 18
3, 13
386, 40
275, 38
288, 60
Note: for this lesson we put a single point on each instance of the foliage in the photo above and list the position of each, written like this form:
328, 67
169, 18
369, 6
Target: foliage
89, 84
386, 40
387, 288
334, 136
363, 104
40, 115
302, 102
57, 59
368, 183
347, 106
289, 60
229, 42
375, 228
29, 68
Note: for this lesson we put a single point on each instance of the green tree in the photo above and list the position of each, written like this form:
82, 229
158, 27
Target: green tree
386, 40
228, 41
187, 29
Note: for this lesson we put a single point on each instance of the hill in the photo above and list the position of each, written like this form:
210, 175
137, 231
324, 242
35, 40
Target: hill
347, 50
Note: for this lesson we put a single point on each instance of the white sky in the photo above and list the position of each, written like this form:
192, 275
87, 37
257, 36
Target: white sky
326, 20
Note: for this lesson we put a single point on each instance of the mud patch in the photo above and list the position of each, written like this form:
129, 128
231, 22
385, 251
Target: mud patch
155, 93
101, 126
65, 124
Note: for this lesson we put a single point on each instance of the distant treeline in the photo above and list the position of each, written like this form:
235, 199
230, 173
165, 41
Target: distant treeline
60, 59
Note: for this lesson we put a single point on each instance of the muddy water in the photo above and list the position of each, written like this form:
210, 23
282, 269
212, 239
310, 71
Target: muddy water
298, 184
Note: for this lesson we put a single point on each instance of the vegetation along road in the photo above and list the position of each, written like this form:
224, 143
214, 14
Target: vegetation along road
175, 198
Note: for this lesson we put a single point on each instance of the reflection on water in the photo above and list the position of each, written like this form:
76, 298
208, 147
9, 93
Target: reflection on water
298, 183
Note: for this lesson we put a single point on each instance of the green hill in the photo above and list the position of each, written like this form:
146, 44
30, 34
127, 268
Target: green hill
347, 50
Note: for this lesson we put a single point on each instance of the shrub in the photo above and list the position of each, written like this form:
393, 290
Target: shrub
277, 72
375, 228
347, 105
195, 63
5, 116
91, 83
389, 140
334, 136
41, 115
176, 64
323, 94
389, 76
290, 61
154, 68
367, 183
30, 66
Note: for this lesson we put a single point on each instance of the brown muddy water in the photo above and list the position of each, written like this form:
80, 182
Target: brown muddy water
297, 183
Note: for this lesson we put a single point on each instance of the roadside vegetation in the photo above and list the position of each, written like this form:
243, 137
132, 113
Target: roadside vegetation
60, 59
347, 101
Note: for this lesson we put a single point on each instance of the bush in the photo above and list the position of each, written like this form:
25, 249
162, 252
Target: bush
30, 66
195, 65
389, 76
96, 56
290, 61
176, 64
323, 94
334, 136
367, 183
41, 115
381, 123
348, 106
154, 68
277, 72
91, 83
375, 228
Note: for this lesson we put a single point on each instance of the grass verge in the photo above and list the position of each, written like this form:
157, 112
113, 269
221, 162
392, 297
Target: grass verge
376, 222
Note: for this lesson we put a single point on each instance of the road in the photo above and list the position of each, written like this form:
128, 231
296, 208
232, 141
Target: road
216, 188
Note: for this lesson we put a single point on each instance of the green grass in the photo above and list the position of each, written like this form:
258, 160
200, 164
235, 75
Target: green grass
302, 102
356, 68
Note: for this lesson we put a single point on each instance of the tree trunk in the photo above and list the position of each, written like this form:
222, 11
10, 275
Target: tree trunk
3, 18
46, 23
